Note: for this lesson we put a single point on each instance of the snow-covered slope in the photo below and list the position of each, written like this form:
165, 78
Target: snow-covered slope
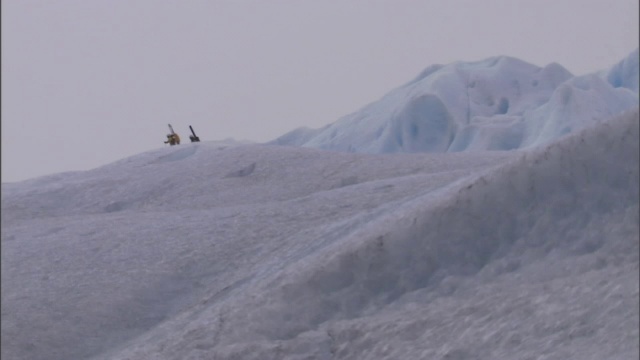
205, 251
500, 103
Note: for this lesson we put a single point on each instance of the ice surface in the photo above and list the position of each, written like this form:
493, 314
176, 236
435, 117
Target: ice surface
500, 103
625, 73
227, 251
449, 248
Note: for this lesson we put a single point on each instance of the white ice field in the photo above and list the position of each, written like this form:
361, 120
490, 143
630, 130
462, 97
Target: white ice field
218, 250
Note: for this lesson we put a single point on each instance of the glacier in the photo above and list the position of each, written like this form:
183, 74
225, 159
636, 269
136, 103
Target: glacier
500, 103
513, 234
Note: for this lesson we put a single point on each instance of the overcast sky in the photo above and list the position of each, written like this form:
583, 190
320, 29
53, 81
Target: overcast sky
85, 83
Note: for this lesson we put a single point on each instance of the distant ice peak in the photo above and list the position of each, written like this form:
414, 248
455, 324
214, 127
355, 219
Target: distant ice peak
499, 103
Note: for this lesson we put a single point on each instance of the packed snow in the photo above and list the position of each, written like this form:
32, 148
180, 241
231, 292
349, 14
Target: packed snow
221, 250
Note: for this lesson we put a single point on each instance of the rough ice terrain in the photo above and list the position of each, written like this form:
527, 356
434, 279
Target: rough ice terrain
261, 252
500, 103
220, 250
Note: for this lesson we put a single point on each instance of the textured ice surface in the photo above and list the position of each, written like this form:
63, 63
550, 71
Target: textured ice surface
500, 103
210, 251
449, 248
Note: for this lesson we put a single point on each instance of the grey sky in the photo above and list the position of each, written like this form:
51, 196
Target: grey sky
85, 83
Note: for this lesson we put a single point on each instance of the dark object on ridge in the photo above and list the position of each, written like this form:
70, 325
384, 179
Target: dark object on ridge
193, 138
